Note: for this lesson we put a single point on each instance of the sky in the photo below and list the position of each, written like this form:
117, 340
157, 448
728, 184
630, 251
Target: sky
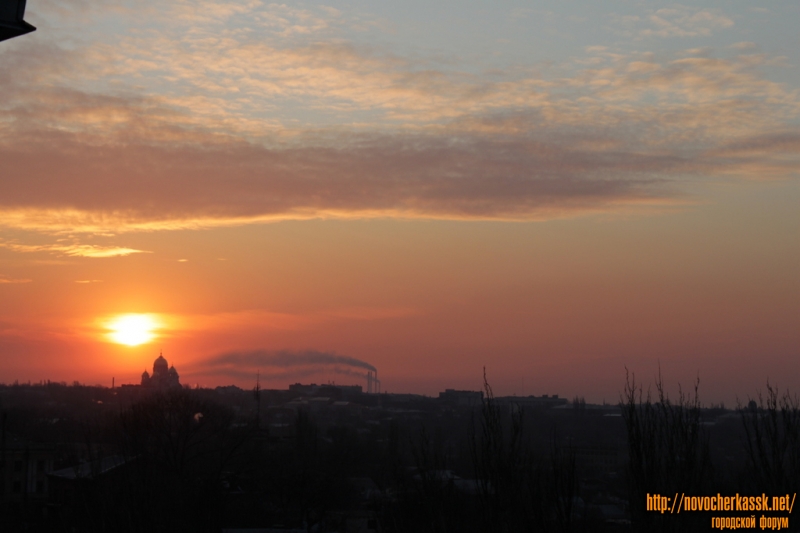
553, 191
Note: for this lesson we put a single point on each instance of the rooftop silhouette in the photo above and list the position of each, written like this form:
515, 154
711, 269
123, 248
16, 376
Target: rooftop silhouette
12, 13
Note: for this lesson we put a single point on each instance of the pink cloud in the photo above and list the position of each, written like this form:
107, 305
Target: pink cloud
212, 147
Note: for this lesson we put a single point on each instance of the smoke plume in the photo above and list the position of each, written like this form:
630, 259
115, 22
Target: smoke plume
280, 364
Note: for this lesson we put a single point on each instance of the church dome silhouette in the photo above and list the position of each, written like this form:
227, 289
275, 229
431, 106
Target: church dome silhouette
163, 377
160, 365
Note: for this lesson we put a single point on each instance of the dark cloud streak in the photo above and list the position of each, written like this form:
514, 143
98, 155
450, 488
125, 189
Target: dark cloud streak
478, 178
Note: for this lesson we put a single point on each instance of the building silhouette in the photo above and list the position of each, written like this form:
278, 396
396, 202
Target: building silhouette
11, 23
164, 376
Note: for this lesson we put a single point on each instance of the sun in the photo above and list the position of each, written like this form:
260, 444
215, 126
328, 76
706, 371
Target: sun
132, 329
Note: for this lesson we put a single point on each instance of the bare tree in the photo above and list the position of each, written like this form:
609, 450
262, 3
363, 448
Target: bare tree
501, 462
772, 433
668, 451
520, 491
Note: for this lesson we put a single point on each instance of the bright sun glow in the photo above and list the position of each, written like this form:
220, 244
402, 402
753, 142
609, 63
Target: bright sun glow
132, 329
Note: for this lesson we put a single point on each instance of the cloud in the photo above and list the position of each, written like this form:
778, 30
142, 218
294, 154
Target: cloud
280, 20
390, 176
682, 21
755, 154
4, 280
72, 250
279, 364
744, 45
199, 123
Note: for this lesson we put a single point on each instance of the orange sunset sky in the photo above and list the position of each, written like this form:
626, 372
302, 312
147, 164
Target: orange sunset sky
555, 192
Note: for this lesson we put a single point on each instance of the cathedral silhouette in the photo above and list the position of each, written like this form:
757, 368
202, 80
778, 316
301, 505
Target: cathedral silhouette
163, 377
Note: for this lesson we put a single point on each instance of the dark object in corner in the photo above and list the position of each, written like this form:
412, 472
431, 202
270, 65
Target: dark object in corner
11, 23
